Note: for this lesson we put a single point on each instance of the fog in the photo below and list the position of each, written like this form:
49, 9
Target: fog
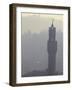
34, 52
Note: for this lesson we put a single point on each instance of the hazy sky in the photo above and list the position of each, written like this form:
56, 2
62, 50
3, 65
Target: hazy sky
36, 23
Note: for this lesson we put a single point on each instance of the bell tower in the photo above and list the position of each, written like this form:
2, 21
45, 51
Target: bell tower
52, 50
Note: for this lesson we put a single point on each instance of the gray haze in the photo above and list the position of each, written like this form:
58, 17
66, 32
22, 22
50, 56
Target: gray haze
34, 52
34, 36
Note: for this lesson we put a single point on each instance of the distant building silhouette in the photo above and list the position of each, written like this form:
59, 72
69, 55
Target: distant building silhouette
52, 50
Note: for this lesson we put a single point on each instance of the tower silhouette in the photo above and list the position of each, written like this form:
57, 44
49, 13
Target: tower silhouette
52, 49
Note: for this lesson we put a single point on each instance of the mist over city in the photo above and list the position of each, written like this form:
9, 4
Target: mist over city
35, 55
34, 44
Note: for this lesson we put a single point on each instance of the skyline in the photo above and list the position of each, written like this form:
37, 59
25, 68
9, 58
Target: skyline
34, 52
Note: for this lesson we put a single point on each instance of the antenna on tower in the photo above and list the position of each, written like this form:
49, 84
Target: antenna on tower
52, 22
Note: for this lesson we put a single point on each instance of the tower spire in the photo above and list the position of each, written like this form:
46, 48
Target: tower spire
52, 22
